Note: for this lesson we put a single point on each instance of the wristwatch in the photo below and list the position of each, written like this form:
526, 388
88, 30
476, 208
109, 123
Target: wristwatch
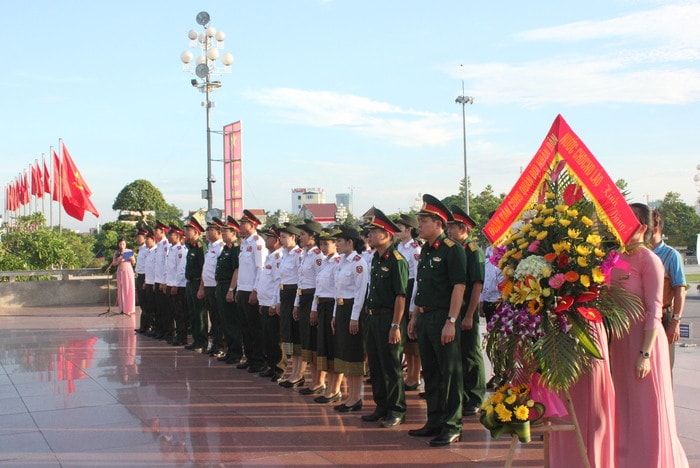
452, 319
645, 354
230, 289
395, 326
676, 317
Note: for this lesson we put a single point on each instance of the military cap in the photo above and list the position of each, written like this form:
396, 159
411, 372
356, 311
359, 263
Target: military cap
289, 228
194, 224
407, 220
174, 229
231, 224
150, 234
272, 231
161, 226
382, 221
347, 232
434, 207
460, 216
249, 217
330, 233
311, 226
141, 232
215, 223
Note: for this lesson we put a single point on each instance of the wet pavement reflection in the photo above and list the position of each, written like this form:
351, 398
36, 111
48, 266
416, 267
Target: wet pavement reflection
81, 390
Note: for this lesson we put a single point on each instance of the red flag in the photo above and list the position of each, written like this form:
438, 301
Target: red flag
47, 180
39, 181
76, 193
25, 189
33, 186
56, 177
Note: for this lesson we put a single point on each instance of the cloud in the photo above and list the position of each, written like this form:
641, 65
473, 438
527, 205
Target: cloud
400, 127
669, 23
652, 60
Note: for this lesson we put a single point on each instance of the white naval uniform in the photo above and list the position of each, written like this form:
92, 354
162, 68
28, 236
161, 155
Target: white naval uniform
351, 280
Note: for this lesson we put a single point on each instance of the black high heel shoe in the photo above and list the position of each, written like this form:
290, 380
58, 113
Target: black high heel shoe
331, 399
290, 384
347, 409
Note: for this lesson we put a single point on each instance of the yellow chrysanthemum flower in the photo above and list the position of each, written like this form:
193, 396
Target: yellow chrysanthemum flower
574, 233
561, 208
523, 244
583, 250
582, 262
549, 220
542, 235
503, 413
533, 233
526, 228
537, 220
550, 196
488, 410
560, 247
598, 275
599, 253
547, 212
585, 280
572, 213
594, 239
522, 413
511, 399
565, 222
587, 221
497, 398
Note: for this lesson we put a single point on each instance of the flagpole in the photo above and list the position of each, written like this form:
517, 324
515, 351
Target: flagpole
53, 187
43, 185
60, 184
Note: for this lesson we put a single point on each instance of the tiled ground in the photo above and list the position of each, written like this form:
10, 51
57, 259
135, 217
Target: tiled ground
78, 389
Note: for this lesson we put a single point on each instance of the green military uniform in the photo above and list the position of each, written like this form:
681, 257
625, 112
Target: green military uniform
226, 264
472, 358
442, 265
388, 279
195, 306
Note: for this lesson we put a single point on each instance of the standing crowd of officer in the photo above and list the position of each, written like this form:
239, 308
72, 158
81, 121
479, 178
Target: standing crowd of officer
331, 302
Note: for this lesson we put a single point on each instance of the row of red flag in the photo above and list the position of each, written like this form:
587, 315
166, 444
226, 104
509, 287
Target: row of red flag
69, 188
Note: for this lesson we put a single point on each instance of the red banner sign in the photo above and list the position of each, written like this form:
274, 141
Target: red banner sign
233, 170
562, 143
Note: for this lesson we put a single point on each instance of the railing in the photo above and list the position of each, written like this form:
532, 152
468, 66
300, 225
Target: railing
39, 275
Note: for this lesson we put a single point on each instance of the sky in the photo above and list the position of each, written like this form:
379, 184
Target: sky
351, 96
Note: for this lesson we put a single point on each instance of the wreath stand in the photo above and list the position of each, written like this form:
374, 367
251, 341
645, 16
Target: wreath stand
555, 424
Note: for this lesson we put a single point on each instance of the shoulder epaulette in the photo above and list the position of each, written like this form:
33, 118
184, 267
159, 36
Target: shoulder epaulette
317, 250
357, 258
397, 255
449, 242
473, 247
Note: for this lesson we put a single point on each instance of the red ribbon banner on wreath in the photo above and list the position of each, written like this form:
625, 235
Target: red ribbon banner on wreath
562, 144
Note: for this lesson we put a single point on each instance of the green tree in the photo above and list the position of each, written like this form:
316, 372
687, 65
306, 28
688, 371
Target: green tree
41, 250
623, 186
140, 196
681, 222
106, 240
170, 214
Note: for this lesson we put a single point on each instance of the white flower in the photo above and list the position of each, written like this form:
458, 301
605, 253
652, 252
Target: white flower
534, 265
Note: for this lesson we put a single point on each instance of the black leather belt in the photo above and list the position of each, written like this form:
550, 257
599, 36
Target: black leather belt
342, 301
321, 300
379, 311
424, 309
284, 287
306, 291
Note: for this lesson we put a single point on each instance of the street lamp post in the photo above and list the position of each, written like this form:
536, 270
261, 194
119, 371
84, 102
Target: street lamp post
464, 100
210, 42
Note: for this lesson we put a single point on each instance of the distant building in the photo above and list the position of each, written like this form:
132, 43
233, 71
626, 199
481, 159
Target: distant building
323, 213
302, 196
344, 199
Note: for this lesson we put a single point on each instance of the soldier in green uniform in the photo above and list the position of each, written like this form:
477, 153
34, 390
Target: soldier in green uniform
459, 229
383, 317
226, 279
193, 273
439, 293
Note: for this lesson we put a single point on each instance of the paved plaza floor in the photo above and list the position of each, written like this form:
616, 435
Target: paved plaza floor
78, 389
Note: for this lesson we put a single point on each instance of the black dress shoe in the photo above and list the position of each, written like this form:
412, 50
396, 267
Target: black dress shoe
391, 421
218, 354
347, 409
256, 369
190, 346
139, 330
446, 438
223, 358
277, 376
290, 384
267, 373
331, 399
243, 365
312, 391
425, 431
376, 416
422, 395
410, 388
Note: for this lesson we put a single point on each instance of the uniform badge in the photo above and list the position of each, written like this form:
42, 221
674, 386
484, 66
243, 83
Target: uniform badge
249, 249
385, 268
358, 268
260, 247
437, 259
179, 255
268, 267
416, 256
319, 261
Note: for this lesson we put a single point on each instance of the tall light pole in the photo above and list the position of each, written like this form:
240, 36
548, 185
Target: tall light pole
464, 100
210, 42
